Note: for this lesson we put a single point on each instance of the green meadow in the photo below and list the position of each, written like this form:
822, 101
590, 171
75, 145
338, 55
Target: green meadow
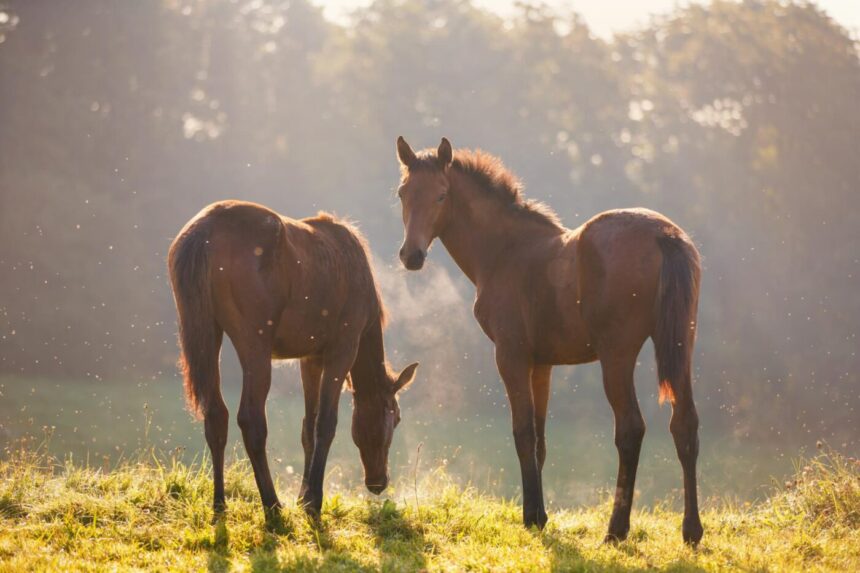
101, 422
98, 475
153, 513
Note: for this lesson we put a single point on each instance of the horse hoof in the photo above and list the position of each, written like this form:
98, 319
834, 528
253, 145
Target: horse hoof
312, 505
618, 530
614, 537
692, 531
275, 522
538, 520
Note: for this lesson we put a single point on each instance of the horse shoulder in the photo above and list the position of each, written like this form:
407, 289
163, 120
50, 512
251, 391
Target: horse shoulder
505, 297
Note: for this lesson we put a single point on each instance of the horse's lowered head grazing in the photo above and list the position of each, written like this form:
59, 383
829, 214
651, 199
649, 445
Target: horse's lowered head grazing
374, 417
424, 196
281, 280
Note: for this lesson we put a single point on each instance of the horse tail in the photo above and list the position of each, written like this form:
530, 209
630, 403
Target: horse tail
676, 308
199, 333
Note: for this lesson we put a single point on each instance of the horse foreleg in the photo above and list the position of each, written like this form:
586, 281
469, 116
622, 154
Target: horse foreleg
541, 375
311, 369
334, 370
516, 374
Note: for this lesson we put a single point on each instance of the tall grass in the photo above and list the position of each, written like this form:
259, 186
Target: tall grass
152, 512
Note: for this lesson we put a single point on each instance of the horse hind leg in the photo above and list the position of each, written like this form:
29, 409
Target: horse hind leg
684, 426
629, 433
256, 381
201, 349
215, 422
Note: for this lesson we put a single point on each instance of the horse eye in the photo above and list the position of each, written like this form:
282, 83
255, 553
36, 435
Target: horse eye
441, 197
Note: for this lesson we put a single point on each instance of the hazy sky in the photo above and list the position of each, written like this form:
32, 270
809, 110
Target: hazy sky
607, 16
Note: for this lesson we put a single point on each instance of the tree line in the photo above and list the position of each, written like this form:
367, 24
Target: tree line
118, 121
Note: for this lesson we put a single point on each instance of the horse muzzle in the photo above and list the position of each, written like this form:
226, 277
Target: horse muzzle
413, 260
377, 486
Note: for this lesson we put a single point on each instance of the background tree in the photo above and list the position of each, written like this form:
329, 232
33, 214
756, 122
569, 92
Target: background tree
738, 120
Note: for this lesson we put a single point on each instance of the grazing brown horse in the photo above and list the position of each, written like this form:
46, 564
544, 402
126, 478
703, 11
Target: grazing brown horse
282, 288
549, 295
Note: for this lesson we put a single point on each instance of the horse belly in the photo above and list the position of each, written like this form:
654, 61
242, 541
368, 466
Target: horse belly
300, 334
559, 334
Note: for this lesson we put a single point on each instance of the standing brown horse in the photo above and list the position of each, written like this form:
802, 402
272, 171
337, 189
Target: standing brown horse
549, 295
282, 288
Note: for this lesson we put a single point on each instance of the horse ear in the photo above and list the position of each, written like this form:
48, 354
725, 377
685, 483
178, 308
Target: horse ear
405, 378
405, 153
445, 153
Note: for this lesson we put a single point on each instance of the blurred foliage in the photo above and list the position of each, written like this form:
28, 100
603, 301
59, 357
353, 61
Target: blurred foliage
737, 119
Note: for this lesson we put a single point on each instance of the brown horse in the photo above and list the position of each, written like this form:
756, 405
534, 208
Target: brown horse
282, 288
548, 295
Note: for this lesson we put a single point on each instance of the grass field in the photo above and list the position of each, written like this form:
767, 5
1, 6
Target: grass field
94, 420
153, 513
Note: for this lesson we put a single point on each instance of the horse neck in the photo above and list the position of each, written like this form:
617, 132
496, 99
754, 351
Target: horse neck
370, 371
482, 229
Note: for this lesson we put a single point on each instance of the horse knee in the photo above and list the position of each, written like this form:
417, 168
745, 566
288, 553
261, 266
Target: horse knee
325, 427
525, 440
307, 435
255, 440
325, 432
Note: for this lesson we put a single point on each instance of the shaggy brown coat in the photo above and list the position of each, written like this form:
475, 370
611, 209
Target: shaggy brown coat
284, 288
550, 295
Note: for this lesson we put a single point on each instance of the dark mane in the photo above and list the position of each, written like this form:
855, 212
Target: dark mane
491, 175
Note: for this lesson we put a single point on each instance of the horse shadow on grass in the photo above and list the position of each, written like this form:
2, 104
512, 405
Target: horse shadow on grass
402, 545
276, 528
219, 552
400, 541
565, 546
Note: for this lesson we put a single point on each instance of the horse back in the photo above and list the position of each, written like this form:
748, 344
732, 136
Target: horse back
301, 285
579, 290
333, 296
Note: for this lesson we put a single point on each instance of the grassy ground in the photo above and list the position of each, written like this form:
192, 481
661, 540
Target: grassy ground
147, 514
477, 446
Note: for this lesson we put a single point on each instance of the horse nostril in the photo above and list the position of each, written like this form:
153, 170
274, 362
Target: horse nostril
377, 488
415, 260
